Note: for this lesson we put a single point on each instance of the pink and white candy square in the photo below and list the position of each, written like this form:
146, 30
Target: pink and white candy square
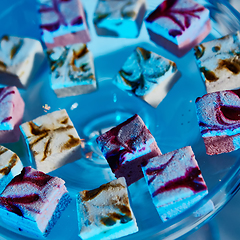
62, 22
175, 183
119, 18
178, 25
20, 59
32, 202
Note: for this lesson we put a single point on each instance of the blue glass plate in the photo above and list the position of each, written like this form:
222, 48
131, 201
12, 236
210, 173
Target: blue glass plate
173, 123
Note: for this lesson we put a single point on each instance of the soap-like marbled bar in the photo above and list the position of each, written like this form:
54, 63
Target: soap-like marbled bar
105, 212
127, 146
20, 58
10, 166
119, 18
175, 182
219, 120
218, 62
52, 140
72, 70
148, 75
62, 22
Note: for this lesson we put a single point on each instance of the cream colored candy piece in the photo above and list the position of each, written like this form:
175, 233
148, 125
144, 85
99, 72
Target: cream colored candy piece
52, 140
20, 58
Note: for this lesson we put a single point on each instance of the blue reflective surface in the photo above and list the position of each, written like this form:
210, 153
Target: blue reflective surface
173, 123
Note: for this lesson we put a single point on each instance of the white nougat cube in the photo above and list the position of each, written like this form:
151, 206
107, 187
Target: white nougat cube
52, 140
20, 58
219, 64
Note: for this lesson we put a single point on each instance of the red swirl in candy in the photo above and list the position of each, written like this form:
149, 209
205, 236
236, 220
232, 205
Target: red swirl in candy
190, 180
4, 93
158, 170
167, 10
129, 145
36, 179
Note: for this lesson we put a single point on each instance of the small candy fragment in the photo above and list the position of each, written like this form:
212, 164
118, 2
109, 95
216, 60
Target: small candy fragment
20, 58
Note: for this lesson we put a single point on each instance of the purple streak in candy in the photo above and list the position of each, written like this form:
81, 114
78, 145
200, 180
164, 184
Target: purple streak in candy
166, 10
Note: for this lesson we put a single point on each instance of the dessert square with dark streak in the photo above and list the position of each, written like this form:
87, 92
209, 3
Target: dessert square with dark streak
11, 113
62, 22
20, 59
178, 25
127, 146
72, 70
10, 166
219, 63
52, 140
175, 183
32, 202
105, 212
147, 75
219, 120
119, 18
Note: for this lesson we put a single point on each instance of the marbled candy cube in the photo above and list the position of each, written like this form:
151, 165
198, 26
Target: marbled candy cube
10, 166
11, 113
105, 212
32, 202
72, 70
178, 25
127, 146
119, 18
219, 120
52, 140
219, 64
148, 75
175, 182
20, 58
62, 22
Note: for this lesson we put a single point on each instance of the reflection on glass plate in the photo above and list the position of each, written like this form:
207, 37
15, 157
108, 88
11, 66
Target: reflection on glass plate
173, 123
